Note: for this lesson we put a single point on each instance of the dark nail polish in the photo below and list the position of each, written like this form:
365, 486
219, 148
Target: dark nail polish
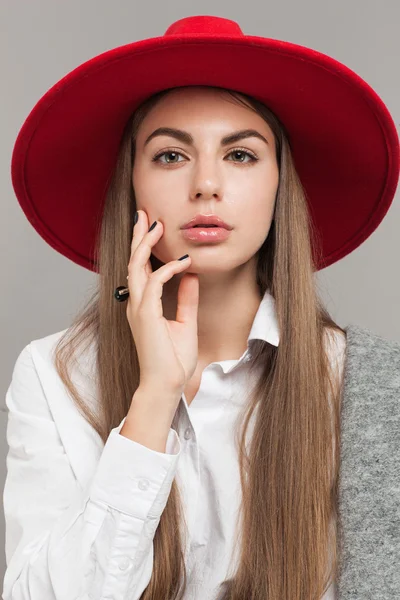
184, 256
135, 218
152, 227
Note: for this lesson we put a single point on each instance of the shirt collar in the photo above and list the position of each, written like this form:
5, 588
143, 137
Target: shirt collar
264, 327
265, 324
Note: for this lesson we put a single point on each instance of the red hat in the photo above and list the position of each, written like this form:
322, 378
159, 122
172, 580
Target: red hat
343, 138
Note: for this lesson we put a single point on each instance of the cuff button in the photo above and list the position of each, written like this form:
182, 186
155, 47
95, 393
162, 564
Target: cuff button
143, 484
124, 563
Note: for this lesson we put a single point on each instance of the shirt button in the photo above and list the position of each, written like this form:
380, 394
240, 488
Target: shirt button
187, 433
143, 484
124, 563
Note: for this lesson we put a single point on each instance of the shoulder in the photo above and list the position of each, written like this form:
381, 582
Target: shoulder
374, 351
43, 351
35, 367
364, 340
371, 405
26, 391
45, 345
372, 362
41, 410
361, 342
41, 348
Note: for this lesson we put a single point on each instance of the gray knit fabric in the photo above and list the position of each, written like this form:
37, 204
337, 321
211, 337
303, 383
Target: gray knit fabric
369, 481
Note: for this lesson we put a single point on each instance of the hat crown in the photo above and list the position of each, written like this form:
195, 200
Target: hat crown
204, 24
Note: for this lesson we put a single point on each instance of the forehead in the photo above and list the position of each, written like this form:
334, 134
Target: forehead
196, 106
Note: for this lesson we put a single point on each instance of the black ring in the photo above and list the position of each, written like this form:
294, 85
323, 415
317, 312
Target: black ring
121, 293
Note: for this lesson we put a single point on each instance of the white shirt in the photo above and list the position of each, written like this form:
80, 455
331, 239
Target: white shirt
81, 516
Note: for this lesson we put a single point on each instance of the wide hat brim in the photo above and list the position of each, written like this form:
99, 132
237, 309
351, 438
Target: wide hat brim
343, 139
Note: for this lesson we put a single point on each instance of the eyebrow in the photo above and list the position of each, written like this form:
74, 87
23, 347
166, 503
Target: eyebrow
187, 138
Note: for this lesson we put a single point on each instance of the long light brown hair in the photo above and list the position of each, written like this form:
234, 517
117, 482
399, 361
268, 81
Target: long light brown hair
289, 472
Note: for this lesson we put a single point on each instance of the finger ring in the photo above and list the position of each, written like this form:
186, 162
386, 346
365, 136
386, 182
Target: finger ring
121, 293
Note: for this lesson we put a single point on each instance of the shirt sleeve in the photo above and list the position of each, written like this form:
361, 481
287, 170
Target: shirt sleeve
66, 543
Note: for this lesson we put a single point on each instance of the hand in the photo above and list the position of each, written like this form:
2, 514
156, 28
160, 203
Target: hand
167, 350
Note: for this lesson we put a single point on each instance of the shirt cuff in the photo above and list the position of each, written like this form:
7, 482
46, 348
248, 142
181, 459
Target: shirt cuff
133, 478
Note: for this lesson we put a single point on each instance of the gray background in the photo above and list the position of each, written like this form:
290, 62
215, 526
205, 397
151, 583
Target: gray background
42, 41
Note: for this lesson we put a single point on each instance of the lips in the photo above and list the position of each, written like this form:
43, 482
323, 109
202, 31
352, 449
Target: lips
207, 221
206, 234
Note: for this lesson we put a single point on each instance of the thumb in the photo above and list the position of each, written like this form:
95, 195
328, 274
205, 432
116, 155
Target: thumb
188, 299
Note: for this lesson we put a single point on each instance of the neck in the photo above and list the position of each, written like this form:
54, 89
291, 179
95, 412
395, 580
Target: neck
228, 302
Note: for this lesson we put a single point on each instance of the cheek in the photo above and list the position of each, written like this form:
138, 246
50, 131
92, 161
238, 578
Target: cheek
259, 229
251, 228
258, 213
169, 247
147, 188
255, 222
149, 198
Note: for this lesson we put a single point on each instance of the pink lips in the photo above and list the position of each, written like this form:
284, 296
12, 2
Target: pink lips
210, 219
206, 234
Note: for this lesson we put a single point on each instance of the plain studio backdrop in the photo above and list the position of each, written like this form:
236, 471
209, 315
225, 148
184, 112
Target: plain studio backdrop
41, 41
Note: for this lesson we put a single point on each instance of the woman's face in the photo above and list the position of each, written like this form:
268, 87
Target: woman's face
206, 177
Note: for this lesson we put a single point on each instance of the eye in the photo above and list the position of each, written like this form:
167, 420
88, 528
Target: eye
160, 154
253, 157
236, 151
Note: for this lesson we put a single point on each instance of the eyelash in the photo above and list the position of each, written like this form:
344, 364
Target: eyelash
252, 156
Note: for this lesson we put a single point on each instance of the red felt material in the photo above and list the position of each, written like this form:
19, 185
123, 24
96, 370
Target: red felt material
344, 141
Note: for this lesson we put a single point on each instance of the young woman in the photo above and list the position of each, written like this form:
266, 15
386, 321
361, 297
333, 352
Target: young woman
188, 449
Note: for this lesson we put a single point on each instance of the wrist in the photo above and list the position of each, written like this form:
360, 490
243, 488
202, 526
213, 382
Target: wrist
150, 417
154, 402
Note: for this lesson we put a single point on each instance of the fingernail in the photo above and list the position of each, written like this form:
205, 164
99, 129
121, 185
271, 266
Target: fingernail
152, 227
136, 217
184, 256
